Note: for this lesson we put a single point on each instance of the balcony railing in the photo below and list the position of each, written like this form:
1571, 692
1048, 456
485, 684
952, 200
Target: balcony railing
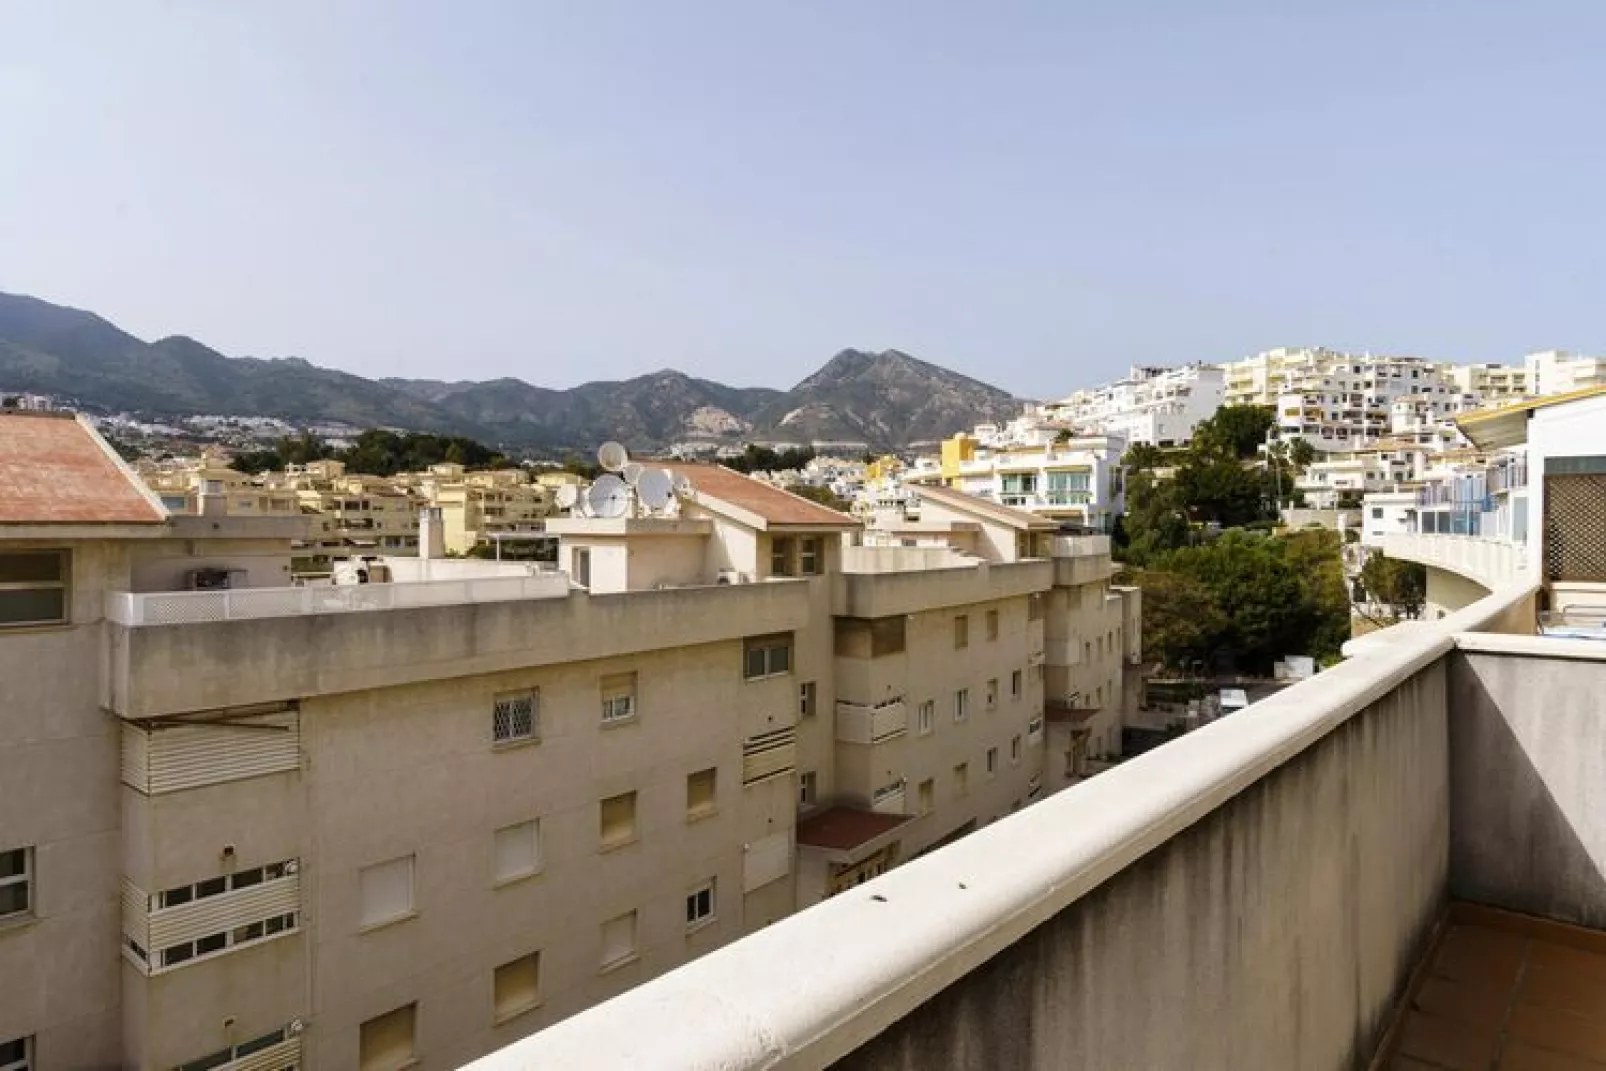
1286, 867
859, 723
245, 604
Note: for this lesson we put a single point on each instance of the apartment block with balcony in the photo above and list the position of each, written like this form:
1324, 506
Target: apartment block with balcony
1397, 864
1074, 481
407, 823
482, 508
1159, 406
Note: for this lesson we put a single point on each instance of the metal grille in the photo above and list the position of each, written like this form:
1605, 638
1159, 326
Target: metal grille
514, 718
1575, 527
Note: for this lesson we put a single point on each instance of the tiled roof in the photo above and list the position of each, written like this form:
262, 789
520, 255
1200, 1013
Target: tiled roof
843, 829
776, 506
54, 469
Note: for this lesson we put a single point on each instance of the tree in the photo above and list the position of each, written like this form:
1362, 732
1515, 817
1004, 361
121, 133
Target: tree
1141, 456
1401, 586
1181, 620
823, 495
1235, 431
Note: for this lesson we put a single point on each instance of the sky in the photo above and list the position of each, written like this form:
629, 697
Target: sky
1034, 194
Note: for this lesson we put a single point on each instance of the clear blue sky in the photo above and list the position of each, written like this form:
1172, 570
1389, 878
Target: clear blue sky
1034, 194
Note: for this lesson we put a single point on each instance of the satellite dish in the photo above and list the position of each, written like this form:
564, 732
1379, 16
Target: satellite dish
656, 488
683, 486
567, 496
632, 472
609, 497
612, 456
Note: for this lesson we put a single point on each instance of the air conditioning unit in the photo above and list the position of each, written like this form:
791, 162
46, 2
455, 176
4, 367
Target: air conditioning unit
215, 579
732, 576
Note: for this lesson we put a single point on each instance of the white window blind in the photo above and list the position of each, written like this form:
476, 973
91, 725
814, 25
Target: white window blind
387, 891
619, 939
517, 851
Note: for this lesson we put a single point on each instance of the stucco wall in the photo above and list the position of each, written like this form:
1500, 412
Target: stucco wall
1528, 783
1275, 933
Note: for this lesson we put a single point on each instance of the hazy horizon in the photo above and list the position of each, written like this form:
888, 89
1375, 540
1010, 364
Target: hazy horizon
1036, 196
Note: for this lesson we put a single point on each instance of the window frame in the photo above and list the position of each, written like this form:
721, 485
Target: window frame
365, 924
24, 879
961, 631
992, 762
1017, 684
992, 625
808, 699
512, 737
63, 584
961, 705
808, 788
631, 954
696, 811
810, 556
604, 843
705, 892
926, 718
624, 688
411, 1011
500, 1014
990, 693
766, 646
28, 1054
537, 864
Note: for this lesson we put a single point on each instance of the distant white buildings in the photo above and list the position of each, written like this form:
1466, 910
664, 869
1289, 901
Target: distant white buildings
1159, 406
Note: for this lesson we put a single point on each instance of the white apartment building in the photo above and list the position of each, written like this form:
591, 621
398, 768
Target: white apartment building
1159, 406
405, 824
1560, 372
1073, 480
1492, 383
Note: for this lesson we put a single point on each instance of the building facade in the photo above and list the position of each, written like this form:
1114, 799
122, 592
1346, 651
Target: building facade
1158, 406
404, 824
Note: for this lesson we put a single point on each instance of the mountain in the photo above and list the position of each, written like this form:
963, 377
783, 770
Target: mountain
886, 400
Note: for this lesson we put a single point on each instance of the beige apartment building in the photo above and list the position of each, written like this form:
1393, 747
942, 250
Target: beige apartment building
484, 507
404, 824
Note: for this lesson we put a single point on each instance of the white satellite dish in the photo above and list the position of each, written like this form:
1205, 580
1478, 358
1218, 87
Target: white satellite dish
567, 496
655, 488
632, 472
612, 456
683, 486
609, 497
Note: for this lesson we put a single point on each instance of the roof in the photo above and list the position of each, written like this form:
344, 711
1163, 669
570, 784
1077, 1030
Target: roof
777, 508
55, 469
1507, 425
1061, 713
992, 511
842, 829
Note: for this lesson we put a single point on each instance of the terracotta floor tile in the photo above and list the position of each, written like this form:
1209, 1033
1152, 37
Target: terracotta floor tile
1562, 987
1521, 1057
1482, 1006
1405, 1063
1586, 967
1485, 957
1447, 1044
1559, 1031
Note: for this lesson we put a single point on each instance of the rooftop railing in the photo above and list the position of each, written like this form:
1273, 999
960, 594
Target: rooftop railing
245, 604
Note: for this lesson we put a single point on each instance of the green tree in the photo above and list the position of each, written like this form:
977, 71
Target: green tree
1181, 619
823, 495
1235, 431
1141, 456
1401, 586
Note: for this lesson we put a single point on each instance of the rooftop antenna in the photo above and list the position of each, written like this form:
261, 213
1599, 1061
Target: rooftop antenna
568, 495
683, 487
631, 471
612, 456
655, 488
609, 497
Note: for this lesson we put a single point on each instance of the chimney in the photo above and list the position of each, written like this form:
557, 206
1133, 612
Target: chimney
431, 533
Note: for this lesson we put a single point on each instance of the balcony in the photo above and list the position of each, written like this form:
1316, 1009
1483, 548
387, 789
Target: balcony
861, 723
1257, 894
1490, 563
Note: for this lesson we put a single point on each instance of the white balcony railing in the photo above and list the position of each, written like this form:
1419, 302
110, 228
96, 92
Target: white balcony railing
862, 724
1489, 563
245, 604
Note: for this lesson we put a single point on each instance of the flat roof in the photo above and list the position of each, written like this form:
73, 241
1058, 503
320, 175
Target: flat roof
1507, 425
842, 829
774, 505
55, 469
1015, 518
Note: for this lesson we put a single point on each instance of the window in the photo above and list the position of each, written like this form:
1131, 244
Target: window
962, 704
962, 779
216, 1059
992, 761
780, 555
808, 788
386, 891
927, 795
16, 1055
619, 940
961, 631
806, 699
1014, 684
581, 567
1377, 513
926, 717
766, 656
702, 790
516, 987
515, 717
810, 560
1014, 749
517, 851
700, 906
992, 624
33, 588
1037, 673
16, 883
992, 693
618, 698
386, 1041
1034, 607
618, 820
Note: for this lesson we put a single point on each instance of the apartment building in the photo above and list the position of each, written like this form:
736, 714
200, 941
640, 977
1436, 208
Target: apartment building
1074, 480
1492, 383
485, 507
404, 824
1159, 406
1551, 372
207, 484
356, 513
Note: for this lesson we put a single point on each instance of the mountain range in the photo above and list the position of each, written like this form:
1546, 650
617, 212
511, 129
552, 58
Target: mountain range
887, 400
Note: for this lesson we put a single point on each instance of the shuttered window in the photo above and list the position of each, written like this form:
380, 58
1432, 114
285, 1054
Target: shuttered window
187, 922
618, 820
618, 940
173, 758
386, 1042
386, 891
769, 755
516, 986
701, 793
517, 851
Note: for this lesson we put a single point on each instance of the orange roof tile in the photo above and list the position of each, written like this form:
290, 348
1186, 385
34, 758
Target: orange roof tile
54, 469
777, 507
